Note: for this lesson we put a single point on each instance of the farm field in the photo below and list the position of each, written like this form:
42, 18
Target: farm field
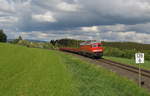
37, 72
145, 65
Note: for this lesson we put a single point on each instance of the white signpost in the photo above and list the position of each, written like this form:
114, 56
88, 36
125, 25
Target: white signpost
139, 58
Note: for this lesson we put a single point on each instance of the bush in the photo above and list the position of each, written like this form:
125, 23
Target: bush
24, 43
147, 56
15, 41
35, 44
113, 52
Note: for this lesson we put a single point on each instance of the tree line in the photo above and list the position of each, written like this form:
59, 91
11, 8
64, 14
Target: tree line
66, 43
128, 45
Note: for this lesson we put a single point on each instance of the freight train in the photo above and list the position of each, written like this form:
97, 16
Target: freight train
91, 48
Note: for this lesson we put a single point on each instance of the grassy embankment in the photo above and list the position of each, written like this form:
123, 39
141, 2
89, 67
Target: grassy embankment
36, 72
145, 65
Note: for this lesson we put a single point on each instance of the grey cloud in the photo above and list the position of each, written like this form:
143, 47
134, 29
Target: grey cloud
140, 28
116, 16
97, 12
126, 36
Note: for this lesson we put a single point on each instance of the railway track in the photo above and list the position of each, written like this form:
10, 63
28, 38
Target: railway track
127, 67
134, 69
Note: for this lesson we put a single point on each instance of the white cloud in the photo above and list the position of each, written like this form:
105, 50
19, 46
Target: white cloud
117, 27
32, 35
41, 35
47, 17
64, 6
6, 6
131, 36
90, 29
9, 19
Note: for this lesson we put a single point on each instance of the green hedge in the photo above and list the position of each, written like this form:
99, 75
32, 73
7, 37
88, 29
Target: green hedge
124, 53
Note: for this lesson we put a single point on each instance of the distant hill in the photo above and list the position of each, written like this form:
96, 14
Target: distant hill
31, 40
127, 45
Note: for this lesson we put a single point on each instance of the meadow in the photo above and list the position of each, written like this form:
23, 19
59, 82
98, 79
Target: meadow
33, 72
38, 72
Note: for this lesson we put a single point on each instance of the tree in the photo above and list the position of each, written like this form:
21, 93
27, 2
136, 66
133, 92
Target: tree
19, 38
3, 37
15, 41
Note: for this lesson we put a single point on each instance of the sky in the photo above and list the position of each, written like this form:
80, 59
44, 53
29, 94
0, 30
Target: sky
106, 20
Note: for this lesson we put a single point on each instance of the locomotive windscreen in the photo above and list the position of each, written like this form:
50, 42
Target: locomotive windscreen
89, 42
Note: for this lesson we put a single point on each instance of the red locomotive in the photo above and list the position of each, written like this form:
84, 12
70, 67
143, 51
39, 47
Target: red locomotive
90, 48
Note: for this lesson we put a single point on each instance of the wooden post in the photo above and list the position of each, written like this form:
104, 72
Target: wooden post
140, 76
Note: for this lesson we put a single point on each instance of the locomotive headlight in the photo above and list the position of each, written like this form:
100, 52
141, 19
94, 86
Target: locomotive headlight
99, 50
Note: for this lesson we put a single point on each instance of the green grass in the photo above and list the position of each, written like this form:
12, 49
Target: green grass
92, 80
33, 72
145, 65
37, 72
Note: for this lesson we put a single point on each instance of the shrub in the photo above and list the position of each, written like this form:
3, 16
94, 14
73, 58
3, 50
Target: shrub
113, 52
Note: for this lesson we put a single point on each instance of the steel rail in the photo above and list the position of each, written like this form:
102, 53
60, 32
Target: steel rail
126, 67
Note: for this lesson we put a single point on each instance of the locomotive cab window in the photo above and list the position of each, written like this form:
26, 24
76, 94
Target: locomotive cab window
99, 45
94, 45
